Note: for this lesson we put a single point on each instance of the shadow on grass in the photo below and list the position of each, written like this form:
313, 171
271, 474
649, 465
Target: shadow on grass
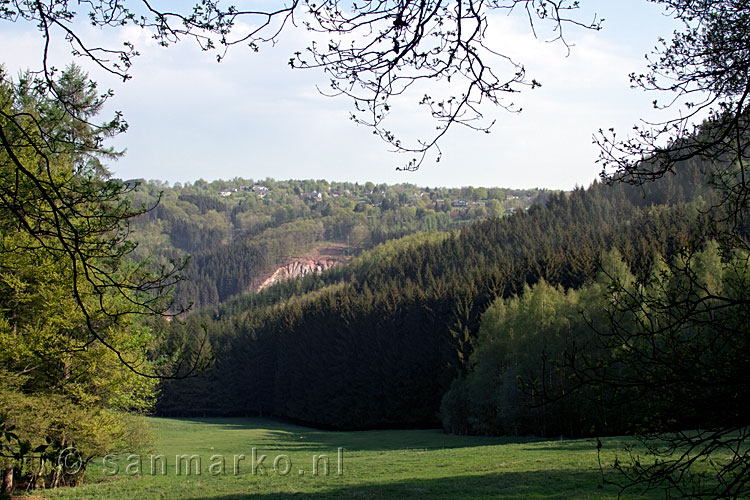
560, 484
292, 438
572, 446
577, 445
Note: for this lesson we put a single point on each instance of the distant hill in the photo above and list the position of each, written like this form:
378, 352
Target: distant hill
239, 233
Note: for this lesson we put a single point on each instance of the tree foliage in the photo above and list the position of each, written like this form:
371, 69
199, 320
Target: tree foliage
517, 382
75, 351
692, 321
681, 343
58, 202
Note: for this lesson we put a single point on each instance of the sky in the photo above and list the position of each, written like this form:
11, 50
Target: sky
252, 116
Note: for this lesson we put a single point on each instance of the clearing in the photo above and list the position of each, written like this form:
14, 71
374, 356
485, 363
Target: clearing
225, 457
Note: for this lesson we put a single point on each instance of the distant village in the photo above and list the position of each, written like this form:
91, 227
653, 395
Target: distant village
401, 195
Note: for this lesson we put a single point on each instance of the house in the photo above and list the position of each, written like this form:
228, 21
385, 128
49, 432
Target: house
260, 190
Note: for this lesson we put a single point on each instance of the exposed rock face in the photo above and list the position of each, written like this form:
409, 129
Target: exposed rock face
298, 268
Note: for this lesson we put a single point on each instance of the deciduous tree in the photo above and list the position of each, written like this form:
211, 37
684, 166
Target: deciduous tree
74, 349
689, 338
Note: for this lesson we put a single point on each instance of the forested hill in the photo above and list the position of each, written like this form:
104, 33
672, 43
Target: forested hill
378, 343
237, 233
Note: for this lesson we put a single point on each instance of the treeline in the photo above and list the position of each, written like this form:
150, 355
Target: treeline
545, 360
380, 342
238, 231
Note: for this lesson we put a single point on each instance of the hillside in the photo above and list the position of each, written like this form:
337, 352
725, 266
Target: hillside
379, 342
317, 260
239, 233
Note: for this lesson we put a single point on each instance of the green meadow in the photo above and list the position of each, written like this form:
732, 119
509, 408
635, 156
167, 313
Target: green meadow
306, 463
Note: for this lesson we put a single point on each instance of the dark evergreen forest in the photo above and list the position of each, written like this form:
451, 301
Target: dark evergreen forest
380, 342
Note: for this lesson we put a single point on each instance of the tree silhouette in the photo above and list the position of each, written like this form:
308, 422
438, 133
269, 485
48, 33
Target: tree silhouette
685, 333
373, 51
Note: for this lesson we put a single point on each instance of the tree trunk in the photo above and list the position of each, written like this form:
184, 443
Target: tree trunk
56, 477
7, 480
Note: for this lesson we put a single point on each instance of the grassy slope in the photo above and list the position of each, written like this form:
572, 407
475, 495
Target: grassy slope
376, 465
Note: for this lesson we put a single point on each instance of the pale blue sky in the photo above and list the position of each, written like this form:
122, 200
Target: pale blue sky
252, 116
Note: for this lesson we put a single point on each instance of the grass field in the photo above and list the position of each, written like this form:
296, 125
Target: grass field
366, 465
